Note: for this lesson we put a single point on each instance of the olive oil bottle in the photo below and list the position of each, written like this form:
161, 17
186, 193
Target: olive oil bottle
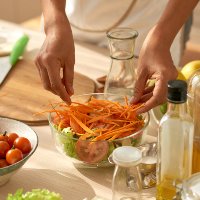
175, 142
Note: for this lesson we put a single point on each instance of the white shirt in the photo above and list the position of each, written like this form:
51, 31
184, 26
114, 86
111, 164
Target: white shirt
94, 15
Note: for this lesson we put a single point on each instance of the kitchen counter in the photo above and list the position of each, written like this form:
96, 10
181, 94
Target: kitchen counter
49, 169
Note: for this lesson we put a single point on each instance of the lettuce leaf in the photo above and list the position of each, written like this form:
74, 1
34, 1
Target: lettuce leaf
69, 142
70, 148
35, 194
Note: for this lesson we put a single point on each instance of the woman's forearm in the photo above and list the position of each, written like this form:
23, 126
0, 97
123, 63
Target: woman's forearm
174, 16
54, 13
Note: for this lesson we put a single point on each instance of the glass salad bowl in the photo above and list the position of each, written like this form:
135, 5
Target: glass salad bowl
94, 125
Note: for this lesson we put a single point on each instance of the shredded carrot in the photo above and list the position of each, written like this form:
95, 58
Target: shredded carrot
99, 119
82, 125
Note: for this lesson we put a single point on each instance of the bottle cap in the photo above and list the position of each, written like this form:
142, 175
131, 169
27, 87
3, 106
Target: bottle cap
177, 91
127, 156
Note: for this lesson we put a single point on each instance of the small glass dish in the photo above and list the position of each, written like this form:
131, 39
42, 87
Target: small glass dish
85, 153
148, 164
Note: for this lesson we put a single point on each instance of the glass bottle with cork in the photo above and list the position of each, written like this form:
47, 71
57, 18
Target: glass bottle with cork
175, 140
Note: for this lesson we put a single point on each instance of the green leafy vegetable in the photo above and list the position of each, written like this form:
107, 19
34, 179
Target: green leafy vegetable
136, 141
69, 142
35, 194
111, 148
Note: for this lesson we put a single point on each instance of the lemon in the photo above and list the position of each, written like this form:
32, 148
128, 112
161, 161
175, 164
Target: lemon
184, 75
181, 76
189, 69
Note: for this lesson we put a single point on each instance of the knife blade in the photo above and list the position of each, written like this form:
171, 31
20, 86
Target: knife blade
7, 62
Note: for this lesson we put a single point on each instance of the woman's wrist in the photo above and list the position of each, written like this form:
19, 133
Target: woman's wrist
161, 36
55, 22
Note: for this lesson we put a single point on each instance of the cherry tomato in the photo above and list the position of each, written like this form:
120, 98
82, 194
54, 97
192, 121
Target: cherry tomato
11, 138
13, 156
4, 137
3, 163
91, 152
4, 147
23, 144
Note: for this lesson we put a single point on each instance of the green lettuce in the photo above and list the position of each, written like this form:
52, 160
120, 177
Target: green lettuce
69, 142
35, 194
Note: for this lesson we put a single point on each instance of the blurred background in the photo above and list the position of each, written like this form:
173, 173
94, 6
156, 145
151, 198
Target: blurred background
20, 10
27, 13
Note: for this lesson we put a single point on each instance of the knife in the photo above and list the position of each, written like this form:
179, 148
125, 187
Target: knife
7, 62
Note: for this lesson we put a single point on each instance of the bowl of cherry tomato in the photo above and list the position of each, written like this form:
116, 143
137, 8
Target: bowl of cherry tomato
88, 130
17, 143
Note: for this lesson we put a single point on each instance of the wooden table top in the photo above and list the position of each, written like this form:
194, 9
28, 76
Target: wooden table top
47, 168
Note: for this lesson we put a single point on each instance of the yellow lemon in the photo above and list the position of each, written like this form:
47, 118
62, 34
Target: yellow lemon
189, 69
181, 76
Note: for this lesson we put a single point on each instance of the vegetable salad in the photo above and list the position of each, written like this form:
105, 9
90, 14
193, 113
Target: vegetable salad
91, 131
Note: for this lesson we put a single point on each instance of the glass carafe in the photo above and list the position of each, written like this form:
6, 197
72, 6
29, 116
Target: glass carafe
121, 76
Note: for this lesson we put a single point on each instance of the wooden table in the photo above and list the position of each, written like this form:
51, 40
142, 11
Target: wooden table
49, 169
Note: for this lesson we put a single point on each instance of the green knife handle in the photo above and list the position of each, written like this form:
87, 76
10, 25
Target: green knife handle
18, 49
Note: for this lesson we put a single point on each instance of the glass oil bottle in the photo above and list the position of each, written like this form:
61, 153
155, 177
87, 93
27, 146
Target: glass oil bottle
175, 142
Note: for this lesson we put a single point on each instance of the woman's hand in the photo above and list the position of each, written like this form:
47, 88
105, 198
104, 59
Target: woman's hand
55, 61
155, 62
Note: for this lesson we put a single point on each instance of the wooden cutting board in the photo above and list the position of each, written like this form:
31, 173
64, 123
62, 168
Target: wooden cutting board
22, 94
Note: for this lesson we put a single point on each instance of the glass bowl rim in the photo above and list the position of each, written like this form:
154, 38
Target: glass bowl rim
115, 140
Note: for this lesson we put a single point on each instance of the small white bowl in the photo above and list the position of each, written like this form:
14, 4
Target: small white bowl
21, 129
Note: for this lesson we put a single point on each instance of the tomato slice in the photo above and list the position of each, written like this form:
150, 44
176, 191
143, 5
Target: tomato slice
91, 152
